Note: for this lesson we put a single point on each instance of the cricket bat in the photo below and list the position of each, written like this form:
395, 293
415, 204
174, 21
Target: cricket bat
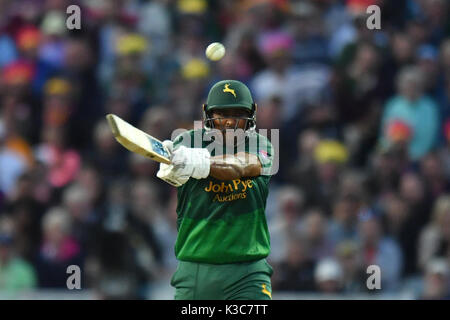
137, 140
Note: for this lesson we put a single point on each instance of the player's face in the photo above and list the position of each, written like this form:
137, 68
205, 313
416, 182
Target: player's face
230, 119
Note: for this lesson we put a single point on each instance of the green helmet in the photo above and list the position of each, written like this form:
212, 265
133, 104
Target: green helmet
227, 94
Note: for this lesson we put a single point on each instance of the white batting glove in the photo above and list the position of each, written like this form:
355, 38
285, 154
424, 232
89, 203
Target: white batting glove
194, 162
168, 173
168, 144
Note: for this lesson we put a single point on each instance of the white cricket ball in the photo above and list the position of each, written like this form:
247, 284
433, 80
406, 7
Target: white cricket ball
215, 51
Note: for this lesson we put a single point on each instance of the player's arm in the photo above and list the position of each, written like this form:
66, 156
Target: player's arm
229, 167
199, 164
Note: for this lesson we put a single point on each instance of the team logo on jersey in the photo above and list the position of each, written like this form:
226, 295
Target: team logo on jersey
265, 291
235, 185
264, 153
227, 89
225, 191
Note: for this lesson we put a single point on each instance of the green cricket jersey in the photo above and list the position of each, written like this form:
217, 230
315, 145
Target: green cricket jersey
224, 221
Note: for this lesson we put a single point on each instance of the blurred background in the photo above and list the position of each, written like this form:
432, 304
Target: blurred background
364, 120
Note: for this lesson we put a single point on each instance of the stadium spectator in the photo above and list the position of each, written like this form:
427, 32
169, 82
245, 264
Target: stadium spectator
287, 221
343, 224
12, 164
444, 151
358, 83
26, 213
106, 156
436, 286
414, 110
432, 171
309, 35
414, 193
378, 249
62, 163
328, 276
321, 183
15, 272
435, 237
354, 276
386, 167
401, 223
296, 269
400, 54
281, 76
59, 249
315, 235
84, 217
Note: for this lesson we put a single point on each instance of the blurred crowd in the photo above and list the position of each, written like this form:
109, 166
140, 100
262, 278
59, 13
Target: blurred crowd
364, 138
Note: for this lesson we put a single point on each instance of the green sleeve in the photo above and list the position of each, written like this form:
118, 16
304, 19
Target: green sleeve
265, 154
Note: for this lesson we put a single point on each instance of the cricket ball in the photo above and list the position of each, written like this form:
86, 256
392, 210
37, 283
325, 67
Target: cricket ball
215, 51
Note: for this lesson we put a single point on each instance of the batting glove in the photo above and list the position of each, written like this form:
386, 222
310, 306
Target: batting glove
194, 162
168, 173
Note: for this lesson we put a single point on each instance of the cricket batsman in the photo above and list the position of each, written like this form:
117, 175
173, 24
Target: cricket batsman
223, 238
